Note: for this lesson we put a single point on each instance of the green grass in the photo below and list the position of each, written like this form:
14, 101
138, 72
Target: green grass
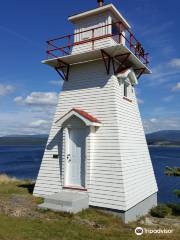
33, 224
66, 229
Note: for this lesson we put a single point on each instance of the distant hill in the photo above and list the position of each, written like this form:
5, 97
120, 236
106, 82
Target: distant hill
160, 138
166, 137
23, 140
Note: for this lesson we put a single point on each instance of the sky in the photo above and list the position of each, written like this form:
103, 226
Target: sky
29, 90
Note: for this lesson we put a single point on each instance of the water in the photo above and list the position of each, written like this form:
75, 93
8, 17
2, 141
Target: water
24, 162
162, 157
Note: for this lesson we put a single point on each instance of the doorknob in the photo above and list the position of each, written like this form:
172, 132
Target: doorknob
69, 157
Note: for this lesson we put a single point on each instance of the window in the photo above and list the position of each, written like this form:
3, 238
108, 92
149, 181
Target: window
87, 34
127, 90
126, 86
115, 29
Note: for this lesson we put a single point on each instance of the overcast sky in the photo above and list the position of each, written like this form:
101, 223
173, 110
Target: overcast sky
29, 90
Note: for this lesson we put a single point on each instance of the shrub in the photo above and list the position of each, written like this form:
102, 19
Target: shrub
160, 211
177, 192
172, 171
175, 208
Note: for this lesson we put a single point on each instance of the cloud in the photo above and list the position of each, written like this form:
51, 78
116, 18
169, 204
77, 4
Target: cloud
153, 120
168, 98
159, 111
33, 117
38, 99
18, 100
157, 124
140, 101
39, 123
175, 63
163, 73
6, 89
56, 83
25, 122
176, 87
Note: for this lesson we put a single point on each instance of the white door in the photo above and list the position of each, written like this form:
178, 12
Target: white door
75, 167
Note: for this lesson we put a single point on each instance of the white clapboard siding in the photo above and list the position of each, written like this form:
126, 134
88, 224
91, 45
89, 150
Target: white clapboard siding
100, 22
139, 178
119, 172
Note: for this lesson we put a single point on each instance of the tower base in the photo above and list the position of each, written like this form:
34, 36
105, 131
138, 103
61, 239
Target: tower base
135, 212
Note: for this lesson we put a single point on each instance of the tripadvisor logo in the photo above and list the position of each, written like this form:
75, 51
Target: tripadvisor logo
140, 231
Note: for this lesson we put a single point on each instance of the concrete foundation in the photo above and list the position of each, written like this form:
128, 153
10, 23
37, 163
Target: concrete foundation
66, 201
74, 202
137, 211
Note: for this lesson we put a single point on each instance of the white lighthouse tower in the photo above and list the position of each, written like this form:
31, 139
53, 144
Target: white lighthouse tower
97, 153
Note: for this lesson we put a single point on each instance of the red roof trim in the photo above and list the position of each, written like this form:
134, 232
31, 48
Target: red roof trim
86, 115
83, 114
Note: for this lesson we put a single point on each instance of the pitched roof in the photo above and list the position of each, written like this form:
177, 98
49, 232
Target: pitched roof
88, 119
86, 115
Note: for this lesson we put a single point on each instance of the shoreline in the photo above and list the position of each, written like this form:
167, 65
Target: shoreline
42, 145
173, 146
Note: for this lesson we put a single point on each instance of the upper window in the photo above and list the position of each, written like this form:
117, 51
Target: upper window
127, 89
126, 85
115, 29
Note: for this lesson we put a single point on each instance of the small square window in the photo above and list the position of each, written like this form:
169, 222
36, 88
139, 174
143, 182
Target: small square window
115, 30
126, 86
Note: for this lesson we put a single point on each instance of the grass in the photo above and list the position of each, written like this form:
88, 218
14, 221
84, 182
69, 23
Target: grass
4, 179
21, 220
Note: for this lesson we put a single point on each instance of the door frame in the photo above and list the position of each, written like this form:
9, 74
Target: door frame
66, 152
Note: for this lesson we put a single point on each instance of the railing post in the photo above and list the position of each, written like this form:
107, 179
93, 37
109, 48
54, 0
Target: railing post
146, 58
131, 41
120, 32
47, 50
92, 39
139, 54
69, 41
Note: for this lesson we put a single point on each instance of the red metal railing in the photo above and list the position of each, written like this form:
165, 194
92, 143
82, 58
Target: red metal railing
62, 46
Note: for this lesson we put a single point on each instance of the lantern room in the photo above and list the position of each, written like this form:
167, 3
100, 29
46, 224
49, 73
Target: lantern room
97, 28
100, 33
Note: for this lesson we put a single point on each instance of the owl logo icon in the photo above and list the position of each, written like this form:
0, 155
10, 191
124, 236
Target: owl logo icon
139, 231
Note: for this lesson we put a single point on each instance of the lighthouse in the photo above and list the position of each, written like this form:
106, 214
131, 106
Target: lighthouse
96, 154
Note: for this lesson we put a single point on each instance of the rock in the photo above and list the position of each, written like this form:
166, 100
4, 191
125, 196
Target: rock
149, 221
